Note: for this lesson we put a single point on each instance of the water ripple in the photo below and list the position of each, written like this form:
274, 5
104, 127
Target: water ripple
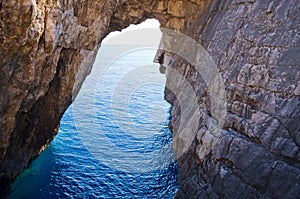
66, 169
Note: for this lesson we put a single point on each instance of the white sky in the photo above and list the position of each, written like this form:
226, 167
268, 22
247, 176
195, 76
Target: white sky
151, 31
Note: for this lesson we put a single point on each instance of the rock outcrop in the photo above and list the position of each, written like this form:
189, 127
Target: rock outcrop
48, 48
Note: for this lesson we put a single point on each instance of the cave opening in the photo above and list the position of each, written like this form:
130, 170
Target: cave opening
114, 134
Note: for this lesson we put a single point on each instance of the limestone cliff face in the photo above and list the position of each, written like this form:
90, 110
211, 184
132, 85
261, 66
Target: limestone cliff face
255, 45
48, 47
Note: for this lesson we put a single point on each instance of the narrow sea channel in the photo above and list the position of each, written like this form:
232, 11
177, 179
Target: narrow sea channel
112, 141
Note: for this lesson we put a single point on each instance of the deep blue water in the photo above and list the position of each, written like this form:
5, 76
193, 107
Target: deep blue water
113, 141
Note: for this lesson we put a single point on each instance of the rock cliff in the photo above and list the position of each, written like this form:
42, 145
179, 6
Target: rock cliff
48, 48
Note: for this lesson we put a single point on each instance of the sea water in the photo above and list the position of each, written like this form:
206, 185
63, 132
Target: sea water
111, 138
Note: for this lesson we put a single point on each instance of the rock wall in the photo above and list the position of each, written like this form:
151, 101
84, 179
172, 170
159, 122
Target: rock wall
256, 46
48, 47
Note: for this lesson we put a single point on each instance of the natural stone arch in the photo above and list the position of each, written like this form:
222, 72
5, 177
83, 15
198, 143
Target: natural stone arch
50, 47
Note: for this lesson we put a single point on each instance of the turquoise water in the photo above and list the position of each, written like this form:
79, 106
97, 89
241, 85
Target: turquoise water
113, 140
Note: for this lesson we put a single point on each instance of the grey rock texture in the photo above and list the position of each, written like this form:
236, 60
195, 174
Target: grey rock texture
48, 47
255, 45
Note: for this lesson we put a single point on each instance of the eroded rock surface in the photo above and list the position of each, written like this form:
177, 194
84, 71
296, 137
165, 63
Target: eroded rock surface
48, 47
